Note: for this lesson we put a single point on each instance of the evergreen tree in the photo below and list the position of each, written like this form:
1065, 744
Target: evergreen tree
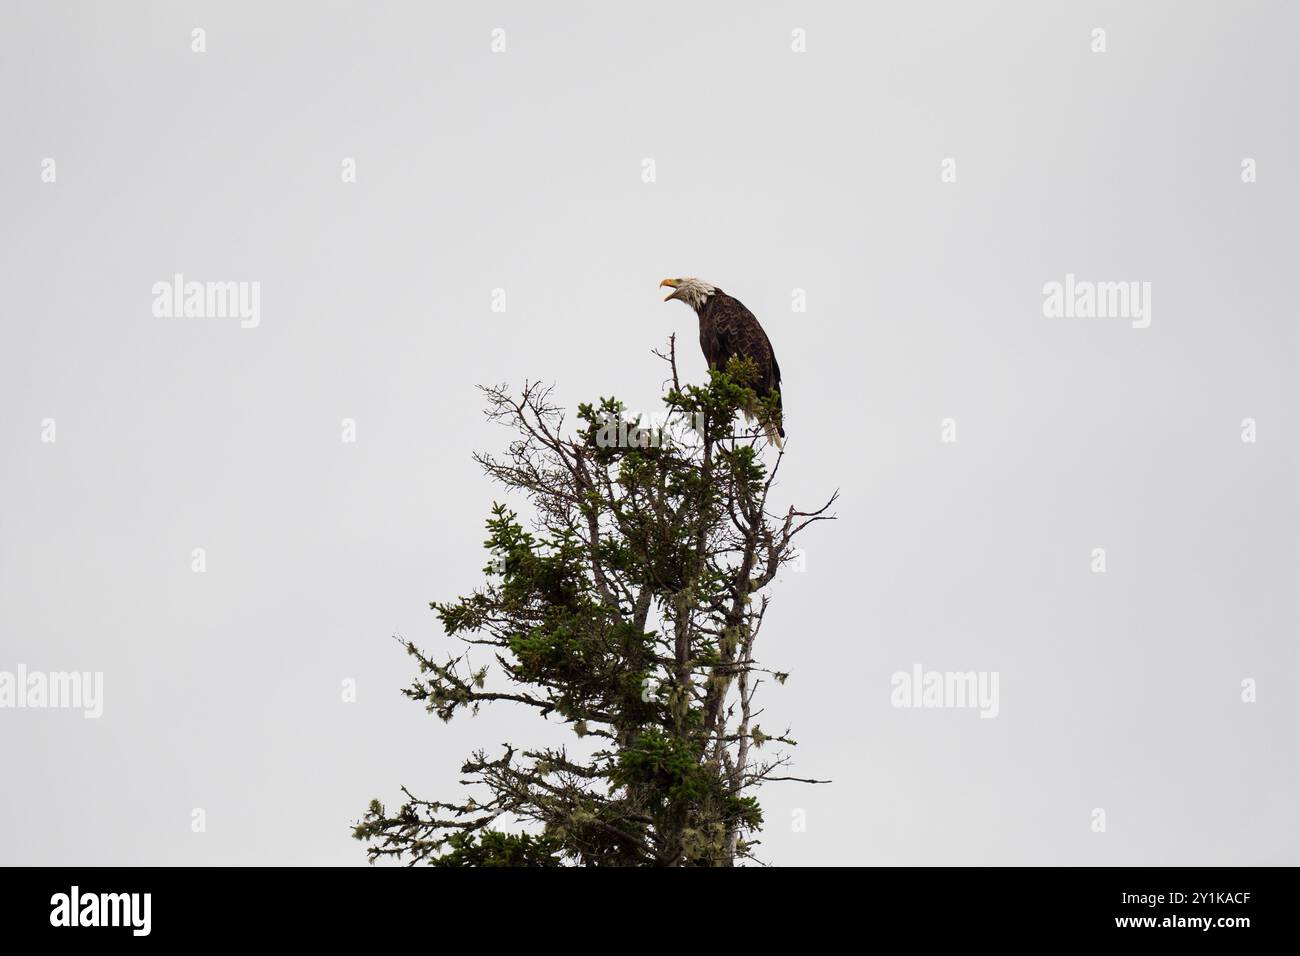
629, 611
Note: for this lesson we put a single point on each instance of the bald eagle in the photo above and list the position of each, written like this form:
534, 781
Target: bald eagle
727, 328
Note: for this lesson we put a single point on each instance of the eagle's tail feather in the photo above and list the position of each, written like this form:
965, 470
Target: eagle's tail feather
771, 428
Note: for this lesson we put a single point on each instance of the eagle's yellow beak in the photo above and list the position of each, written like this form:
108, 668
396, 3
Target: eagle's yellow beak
672, 284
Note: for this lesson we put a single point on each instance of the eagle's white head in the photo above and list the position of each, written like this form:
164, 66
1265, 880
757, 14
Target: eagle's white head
694, 292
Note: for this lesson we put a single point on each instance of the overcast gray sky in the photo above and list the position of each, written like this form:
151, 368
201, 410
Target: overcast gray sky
774, 171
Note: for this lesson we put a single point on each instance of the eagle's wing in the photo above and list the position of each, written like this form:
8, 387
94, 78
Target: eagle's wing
774, 379
738, 332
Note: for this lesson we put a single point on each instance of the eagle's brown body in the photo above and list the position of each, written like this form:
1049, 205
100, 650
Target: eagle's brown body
727, 328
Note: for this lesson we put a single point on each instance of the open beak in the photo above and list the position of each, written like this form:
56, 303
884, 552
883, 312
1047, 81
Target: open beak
671, 284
